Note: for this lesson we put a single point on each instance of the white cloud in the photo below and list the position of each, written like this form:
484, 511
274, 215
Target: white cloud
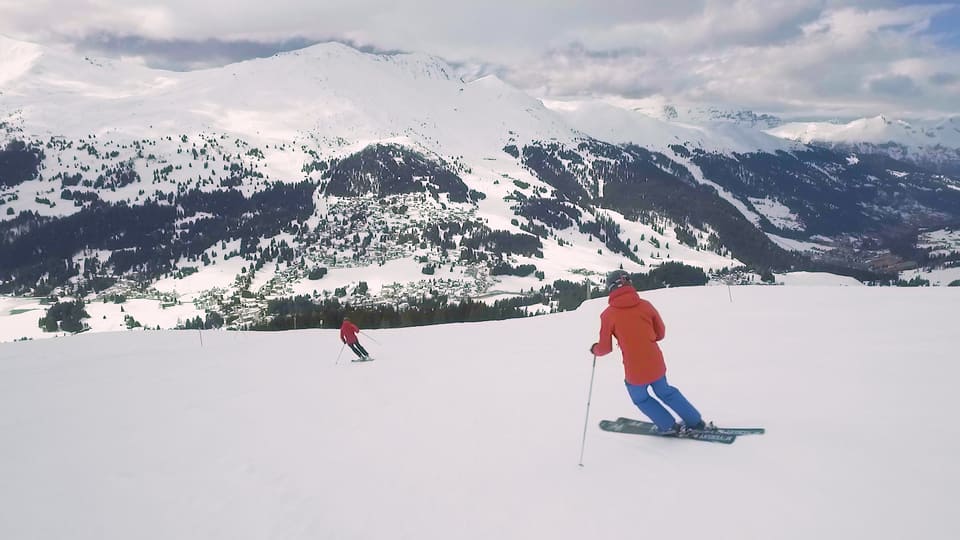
837, 57
44, 20
846, 61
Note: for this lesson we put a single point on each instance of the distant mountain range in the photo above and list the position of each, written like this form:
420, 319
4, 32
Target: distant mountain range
879, 130
251, 180
931, 143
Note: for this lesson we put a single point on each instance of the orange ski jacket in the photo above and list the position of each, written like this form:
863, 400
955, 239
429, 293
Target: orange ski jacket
637, 327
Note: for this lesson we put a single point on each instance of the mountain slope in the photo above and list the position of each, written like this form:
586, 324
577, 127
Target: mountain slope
465, 431
259, 178
324, 91
710, 132
932, 143
876, 130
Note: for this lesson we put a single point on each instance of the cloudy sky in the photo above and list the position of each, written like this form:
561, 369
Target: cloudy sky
791, 57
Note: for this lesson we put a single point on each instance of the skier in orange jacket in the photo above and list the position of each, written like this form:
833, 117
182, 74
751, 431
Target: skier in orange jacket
638, 327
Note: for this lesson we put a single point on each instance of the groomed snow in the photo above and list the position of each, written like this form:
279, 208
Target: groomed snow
473, 431
816, 279
797, 245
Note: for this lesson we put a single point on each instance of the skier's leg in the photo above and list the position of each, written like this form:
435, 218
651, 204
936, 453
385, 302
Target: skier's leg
649, 406
674, 399
362, 350
354, 348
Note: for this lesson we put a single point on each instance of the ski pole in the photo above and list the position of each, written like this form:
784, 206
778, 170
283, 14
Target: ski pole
366, 335
341, 352
586, 420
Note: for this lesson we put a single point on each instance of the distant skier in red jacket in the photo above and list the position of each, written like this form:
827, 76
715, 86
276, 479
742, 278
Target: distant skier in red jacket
638, 327
348, 335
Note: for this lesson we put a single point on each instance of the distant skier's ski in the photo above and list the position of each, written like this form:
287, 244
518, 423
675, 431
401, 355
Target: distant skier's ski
364, 359
728, 430
637, 427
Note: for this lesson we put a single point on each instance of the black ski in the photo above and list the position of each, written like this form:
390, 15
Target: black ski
637, 427
728, 430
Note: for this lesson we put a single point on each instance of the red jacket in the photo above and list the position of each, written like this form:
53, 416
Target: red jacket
348, 332
638, 327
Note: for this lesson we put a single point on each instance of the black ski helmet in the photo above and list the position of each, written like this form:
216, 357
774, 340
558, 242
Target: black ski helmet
617, 278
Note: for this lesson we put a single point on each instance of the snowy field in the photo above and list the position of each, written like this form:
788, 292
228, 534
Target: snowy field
936, 276
473, 431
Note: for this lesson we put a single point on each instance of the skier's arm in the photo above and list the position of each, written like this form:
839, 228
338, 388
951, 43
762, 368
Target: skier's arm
605, 345
658, 326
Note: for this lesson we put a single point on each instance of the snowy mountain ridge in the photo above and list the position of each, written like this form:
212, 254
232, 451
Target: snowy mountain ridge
326, 90
877, 130
925, 141
26, 67
720, 131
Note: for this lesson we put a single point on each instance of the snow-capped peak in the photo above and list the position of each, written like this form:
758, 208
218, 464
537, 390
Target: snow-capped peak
660, 126
325, 91
416, 64
16, 58
913, 134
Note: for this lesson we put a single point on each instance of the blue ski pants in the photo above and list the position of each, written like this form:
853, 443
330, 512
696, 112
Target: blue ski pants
670, 396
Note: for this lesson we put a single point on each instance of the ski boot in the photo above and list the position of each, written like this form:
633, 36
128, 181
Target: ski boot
699, 426
675, 431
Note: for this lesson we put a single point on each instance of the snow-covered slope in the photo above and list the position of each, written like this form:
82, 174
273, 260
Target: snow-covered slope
327, 91
713, 133
913, 134
473, 431
335, 100
16, 57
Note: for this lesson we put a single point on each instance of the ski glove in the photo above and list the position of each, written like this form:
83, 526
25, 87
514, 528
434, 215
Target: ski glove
591, 349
